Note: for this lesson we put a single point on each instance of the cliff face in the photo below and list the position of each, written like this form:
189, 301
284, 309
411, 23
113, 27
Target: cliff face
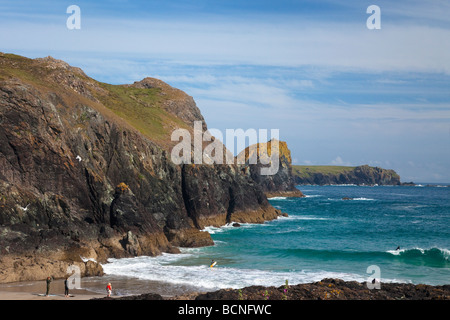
281, 183
328, 175
85, 170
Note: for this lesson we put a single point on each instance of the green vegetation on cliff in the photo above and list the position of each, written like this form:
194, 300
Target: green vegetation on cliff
142, 109
306, 171
150, 106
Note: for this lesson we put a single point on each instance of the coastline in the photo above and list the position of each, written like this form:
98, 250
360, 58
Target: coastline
326, 289
30, 290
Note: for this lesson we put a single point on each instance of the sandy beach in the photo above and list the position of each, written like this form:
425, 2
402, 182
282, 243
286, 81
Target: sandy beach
93, 287
35, 290
327, 289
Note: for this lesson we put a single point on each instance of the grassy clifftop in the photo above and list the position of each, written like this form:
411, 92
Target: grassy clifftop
150, 106
305, 171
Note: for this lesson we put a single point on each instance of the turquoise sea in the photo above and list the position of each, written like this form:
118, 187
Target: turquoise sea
324, 236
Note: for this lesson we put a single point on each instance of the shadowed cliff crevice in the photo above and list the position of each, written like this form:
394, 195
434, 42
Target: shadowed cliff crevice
186, 198
231, 205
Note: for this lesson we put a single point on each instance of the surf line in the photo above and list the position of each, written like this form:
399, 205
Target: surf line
188, 310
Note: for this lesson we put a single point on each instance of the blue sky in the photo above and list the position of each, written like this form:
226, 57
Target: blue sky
339, 92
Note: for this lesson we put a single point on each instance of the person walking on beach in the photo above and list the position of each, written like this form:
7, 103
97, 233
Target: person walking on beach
109, 289
66, 287
49, 279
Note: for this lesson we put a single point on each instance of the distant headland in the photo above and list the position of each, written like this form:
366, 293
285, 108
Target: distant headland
335, 175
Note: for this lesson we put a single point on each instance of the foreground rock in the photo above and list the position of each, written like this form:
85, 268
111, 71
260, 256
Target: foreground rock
327, 289
333, 289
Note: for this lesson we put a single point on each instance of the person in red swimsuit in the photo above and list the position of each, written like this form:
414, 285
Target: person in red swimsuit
109, 289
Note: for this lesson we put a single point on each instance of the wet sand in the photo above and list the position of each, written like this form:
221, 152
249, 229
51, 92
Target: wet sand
35, 290
93, 287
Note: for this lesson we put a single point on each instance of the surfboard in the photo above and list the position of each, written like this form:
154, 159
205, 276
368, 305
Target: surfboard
213, 264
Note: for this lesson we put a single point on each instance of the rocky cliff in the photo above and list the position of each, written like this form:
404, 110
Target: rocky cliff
85, 171
281, 183
329, 175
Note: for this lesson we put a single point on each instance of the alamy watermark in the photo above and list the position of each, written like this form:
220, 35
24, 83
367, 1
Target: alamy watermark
74, 280
374, 21
374, 280
74, 20
215, 153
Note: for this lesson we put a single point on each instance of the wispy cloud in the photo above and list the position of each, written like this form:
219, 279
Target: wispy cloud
337, 91
339, 162
347, 46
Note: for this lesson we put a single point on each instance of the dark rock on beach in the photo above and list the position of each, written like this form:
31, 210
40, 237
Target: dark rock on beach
145, 296
333, 289
326, 289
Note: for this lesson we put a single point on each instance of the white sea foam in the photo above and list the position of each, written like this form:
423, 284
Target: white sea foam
213, 230
161, 268
351, 199
84, 259
278, 198
291, 230
445, 252
311, 218
396, 252
400, 251
296, 217
228, 226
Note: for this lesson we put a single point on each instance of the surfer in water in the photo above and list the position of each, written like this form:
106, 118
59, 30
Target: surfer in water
213, 263
398, 248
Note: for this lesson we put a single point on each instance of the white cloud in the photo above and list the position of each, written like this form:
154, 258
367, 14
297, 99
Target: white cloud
326, 44
339, 162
